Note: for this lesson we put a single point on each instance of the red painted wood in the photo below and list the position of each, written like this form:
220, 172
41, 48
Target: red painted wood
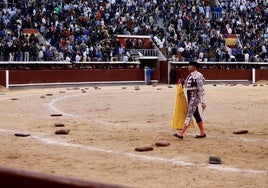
163, 74
221, 74
10, 177
261, 74
109, 75
3, 77
85, 75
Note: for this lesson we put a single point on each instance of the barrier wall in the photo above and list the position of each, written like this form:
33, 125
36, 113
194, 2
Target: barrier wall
225, 71
160, 75
221, 74
3, 77
85, 75
35, 77
261, 74
10, 177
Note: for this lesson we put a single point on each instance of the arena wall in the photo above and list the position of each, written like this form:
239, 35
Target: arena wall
261, 74
35, 77
226, 71
221, 74
84, 75
3, 77
10, 177
132, 75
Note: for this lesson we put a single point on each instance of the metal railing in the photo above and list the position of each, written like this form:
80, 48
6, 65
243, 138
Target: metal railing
137, 53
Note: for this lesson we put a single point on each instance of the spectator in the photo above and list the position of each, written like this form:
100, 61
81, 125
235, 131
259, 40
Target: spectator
26, 51
173, 75
77, 57
125, 58
68, 24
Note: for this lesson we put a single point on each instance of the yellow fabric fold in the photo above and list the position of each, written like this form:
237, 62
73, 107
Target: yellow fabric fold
180, 109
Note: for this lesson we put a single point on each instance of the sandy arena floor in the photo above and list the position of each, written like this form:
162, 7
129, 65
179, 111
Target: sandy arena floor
107, 123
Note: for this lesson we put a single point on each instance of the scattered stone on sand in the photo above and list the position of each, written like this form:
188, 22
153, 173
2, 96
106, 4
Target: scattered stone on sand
241, 132
96, 87
22, 134
62, 131
54, 115
137, 88
59, 125
162, 143
144, 148
214, 160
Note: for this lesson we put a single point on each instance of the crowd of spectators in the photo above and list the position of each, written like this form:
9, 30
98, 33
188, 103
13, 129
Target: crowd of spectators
85, 30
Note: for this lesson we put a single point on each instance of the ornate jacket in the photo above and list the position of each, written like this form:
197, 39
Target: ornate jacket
194, 85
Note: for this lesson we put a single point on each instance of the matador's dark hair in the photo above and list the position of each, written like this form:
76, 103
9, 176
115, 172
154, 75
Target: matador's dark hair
193, 63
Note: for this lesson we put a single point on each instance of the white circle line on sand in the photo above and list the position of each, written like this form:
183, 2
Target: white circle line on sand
221, 168
108, 123
52, 106
55, 109
174, 161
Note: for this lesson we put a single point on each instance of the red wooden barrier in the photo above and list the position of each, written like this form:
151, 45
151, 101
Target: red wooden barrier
10, 177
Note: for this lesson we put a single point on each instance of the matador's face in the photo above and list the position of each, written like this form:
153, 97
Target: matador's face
191, 68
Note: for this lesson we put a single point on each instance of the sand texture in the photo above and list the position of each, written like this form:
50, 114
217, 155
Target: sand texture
107, 123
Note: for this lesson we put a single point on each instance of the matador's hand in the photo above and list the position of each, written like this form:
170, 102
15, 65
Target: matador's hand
203, 106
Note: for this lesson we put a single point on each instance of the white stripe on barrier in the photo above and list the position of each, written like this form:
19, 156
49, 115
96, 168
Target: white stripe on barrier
253, 75
7, 79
